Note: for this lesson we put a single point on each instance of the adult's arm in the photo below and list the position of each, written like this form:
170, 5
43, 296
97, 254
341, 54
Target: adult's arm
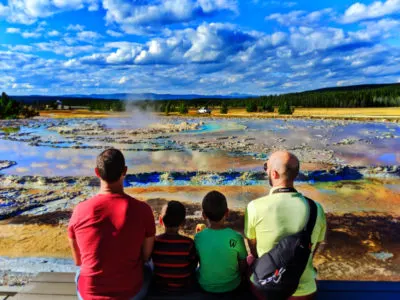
250, 229
147, 248
150, 232
253, 247
76, 254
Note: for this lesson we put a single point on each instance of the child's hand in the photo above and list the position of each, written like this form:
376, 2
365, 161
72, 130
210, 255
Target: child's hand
200, 227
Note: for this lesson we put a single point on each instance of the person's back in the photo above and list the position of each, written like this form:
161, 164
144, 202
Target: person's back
282, 213
221, 250
278, 215
174, 256
111, 236
109, 230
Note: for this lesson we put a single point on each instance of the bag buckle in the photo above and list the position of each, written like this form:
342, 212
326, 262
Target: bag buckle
278, 275
276, 278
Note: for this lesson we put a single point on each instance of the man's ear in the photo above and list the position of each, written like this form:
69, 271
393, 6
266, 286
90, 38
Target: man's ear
275, 174
96, 171
125, 171
204, 215
160, 220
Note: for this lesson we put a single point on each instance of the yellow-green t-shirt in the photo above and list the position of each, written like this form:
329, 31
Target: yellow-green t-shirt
273, 217
219, 252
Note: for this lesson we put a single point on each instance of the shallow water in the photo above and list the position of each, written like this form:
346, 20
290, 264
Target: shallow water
368, 144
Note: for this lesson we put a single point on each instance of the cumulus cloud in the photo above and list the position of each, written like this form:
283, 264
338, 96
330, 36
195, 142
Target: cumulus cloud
13, 30
140, 16
75, 27
88, 36
35, 33
114, 33
53, 33
301, 18
28, 11
359, 11
208, 43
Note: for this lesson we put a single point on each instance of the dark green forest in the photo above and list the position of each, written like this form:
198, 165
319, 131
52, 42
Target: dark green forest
11, 109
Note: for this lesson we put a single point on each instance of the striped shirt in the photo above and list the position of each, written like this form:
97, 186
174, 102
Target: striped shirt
175, 261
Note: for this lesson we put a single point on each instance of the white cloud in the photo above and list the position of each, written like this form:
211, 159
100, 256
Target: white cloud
31, 34
359, 11
377, 29
123, 80
114, 33
301, 18
76, 27
23, 86
53, 33
143, 16
19, 48
60, 48
88, 36
28, 11
13, 30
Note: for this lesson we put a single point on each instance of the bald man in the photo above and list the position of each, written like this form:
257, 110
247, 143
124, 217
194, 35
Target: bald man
283, 212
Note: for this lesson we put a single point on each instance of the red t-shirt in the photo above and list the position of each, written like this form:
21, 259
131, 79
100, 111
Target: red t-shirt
110, 230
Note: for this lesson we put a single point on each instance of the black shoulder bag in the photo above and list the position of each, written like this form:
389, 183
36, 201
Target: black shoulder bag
277, 273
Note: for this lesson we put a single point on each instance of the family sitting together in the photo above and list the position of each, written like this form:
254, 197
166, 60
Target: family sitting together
113, 240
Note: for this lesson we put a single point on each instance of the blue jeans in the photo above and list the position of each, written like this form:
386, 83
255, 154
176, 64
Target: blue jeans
147, 275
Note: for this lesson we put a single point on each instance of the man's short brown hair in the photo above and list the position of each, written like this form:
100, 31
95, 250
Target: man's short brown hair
111, 165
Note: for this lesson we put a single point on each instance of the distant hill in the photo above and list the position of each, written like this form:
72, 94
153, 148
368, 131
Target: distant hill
354, 87
125, 96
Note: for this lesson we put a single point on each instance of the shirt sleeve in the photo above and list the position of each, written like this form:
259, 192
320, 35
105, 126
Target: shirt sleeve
241, 248
71, 224
149, 223
249, 224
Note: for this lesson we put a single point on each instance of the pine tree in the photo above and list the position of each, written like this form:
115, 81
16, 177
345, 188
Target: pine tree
183, 109
224, 108
285, 109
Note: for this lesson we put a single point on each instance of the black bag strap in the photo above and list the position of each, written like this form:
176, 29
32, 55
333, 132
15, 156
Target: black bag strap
312, 219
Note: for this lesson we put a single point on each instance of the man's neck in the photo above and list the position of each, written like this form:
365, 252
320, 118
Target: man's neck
111, 188
172, 231
283, 185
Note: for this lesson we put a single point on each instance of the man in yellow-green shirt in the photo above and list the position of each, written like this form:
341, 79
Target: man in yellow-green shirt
281, 213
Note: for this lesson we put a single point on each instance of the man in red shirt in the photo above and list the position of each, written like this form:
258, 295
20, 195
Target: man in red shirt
111, 236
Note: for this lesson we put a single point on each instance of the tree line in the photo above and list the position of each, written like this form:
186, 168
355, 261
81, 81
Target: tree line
385, 95
11, 109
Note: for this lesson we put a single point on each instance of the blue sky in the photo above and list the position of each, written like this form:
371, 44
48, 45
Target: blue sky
195, 46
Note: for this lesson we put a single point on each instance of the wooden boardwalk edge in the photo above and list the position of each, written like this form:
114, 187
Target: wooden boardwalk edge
61, 286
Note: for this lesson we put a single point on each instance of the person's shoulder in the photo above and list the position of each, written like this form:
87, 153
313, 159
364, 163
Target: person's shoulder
202, 235
233, 233
254, 204
85, 204
136, 202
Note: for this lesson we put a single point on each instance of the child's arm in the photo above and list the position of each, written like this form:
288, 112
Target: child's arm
194, 258
242, 255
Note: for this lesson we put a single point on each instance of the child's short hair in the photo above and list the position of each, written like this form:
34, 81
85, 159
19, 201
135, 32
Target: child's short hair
174, 214
214, 206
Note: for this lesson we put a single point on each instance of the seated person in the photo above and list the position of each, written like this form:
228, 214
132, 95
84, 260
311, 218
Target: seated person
174, 256
111, 236
221, 250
